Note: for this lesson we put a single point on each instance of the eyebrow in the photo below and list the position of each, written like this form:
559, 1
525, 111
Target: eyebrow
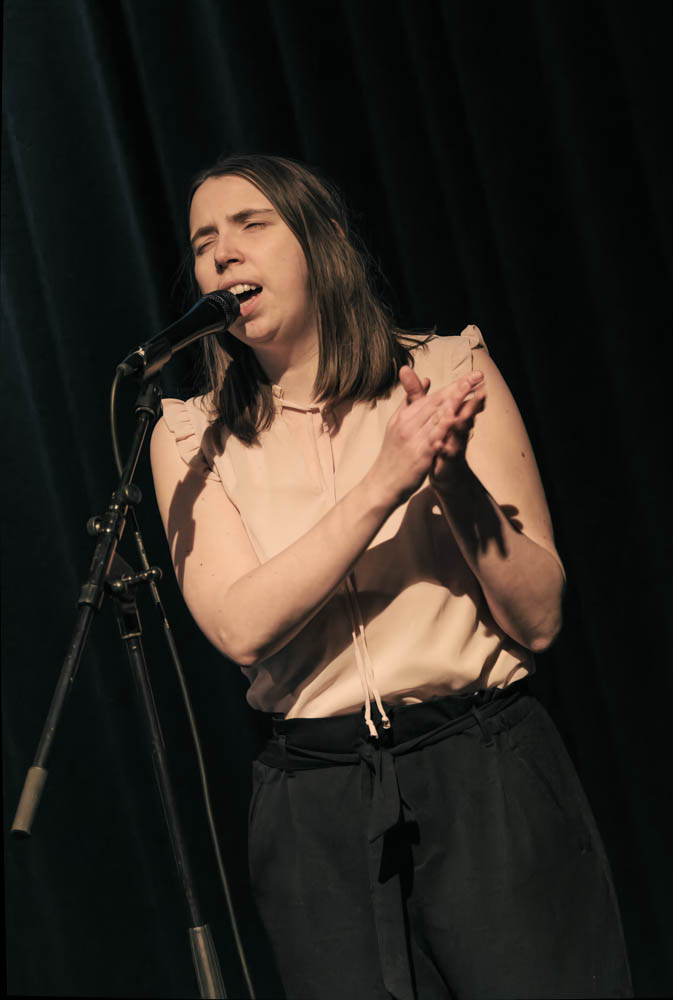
237, 218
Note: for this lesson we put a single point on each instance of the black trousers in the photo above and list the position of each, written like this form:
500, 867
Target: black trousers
456, 857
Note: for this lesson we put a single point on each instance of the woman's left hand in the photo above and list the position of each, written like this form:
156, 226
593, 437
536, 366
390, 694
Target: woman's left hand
450, 453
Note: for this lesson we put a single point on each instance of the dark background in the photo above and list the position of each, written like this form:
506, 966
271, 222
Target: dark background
507, 163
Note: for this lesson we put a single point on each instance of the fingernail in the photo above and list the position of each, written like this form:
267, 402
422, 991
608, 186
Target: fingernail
475, 376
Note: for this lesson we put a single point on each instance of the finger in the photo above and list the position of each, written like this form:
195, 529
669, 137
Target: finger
463, 387
463, 421
436, 410
458, 435
456, 392
474, 403
465, 405
411, 384
445, 421
438, 424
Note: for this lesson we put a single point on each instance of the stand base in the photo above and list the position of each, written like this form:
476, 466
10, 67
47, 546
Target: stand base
206, 963
30, 797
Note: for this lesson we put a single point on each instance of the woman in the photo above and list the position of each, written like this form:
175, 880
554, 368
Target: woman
371, 543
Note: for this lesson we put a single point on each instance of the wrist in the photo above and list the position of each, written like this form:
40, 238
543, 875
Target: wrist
451, 476
379, 496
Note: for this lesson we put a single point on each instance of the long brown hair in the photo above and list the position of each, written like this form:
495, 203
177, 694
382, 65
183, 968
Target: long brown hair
360, 350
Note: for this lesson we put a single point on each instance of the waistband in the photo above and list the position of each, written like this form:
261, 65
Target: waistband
338, 740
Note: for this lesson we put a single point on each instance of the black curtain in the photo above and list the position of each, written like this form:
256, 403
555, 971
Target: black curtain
508, 165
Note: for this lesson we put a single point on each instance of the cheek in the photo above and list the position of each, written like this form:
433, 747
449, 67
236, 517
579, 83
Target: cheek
297, 266
204, 277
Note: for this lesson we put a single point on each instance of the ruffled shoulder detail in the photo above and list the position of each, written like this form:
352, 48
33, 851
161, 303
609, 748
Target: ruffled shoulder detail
474, 337
444, 359
190, 423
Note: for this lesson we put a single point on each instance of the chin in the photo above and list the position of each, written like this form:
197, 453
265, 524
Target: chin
253, 333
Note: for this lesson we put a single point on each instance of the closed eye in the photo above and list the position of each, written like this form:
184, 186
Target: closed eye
204, 246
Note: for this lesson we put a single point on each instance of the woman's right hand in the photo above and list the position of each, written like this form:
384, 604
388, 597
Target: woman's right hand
416, 432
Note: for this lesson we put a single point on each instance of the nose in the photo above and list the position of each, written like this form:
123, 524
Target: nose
226, 253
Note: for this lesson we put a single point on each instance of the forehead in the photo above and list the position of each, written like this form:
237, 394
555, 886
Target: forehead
219, 197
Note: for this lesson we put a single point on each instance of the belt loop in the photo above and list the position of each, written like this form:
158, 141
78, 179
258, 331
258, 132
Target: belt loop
486, 737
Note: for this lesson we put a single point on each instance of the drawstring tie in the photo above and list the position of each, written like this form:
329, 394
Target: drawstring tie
364, 662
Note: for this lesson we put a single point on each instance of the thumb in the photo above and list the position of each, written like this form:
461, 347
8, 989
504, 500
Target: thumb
412, 385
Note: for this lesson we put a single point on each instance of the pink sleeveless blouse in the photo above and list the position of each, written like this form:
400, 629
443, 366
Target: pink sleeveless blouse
410, 622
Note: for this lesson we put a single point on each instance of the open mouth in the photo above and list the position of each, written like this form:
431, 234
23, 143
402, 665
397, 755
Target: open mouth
245, 292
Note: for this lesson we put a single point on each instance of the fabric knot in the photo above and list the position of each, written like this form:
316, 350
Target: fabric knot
486, 738
385, 801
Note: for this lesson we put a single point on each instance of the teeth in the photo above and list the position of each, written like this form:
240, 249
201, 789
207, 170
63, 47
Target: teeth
239, 289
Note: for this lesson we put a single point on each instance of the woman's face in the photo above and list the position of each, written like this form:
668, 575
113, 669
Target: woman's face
241, 244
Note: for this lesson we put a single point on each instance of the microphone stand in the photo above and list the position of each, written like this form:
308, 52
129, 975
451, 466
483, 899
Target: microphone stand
109, 574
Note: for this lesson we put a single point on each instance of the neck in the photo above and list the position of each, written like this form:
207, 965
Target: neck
294, 373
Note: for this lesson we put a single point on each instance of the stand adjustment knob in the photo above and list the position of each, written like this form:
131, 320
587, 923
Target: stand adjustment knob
132, 493
94, 525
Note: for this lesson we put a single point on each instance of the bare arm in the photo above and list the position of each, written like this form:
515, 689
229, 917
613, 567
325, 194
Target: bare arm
250, 610
490, 491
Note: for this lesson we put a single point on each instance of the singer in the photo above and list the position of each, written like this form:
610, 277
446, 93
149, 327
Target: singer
356, 517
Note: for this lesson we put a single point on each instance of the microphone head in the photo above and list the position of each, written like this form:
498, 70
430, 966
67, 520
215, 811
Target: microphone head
227, 304
213, 312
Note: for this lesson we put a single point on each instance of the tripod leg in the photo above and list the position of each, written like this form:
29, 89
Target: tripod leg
204, 956
37, 774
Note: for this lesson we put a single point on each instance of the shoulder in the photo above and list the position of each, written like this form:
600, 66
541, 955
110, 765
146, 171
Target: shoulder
445, 358
190, 427
189, 416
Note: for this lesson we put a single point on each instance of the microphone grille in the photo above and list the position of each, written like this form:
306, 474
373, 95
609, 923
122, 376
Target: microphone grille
226, 303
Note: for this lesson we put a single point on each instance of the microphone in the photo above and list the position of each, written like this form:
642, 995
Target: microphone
211, 314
